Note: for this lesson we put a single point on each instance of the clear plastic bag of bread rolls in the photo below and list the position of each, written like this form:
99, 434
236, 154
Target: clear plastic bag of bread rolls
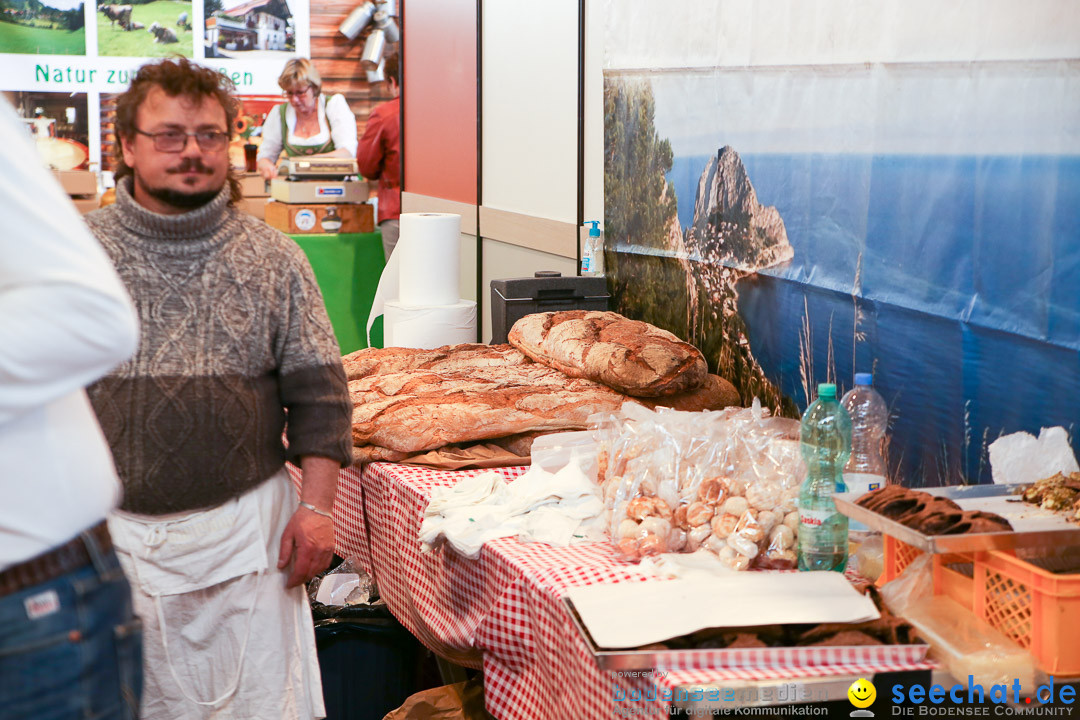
642, 521
624, 451
703, 456
721, 481
605, 428
644, 526
663, 467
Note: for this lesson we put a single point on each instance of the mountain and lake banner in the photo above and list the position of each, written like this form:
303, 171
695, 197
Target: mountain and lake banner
914, 215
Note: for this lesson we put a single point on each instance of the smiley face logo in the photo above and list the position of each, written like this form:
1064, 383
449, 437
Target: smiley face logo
862, 693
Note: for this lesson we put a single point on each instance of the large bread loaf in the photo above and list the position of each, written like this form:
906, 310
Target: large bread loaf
630, 356
383, 361
715, 393
422, 410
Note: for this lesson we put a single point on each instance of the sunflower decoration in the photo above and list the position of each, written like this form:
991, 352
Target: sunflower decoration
244, 125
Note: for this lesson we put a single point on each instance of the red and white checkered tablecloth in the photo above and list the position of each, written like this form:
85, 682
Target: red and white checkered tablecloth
503, 611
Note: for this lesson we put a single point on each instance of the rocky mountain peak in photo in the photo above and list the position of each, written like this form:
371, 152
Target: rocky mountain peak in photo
730, 225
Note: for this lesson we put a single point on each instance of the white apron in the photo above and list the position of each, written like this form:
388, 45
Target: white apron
223, 638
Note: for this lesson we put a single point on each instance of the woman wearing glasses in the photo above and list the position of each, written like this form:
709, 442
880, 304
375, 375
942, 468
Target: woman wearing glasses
309, 124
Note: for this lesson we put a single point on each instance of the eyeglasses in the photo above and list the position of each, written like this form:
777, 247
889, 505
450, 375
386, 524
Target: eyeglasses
172, 141
297, 93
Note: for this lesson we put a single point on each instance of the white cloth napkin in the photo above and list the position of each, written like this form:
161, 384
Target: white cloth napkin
539, 506
684, 565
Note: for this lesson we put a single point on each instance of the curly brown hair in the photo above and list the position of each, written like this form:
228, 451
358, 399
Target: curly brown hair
178, 77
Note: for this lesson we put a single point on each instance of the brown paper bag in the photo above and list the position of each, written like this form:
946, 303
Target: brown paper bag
460, 701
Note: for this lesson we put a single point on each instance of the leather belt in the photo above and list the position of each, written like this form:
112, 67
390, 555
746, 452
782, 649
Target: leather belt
50, 565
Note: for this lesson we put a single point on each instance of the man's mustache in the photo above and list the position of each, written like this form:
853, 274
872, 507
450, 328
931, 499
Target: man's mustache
191, 165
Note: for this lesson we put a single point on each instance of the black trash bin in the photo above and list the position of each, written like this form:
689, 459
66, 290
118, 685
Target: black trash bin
548, 291
370, 664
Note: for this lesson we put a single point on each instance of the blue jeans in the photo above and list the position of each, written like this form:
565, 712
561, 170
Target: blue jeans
71, 648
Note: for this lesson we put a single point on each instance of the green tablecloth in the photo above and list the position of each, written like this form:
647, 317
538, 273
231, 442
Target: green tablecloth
347, 267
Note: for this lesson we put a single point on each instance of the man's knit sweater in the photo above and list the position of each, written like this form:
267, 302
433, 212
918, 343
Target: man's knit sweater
234, 333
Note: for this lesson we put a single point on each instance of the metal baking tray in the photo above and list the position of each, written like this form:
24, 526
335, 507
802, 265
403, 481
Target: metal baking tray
1033, 527
713, 699
720, 658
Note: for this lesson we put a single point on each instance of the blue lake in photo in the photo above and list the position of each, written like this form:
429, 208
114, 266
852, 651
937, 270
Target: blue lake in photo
969, 292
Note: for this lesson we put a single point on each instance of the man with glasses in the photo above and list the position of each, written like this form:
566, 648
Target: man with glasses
234, 341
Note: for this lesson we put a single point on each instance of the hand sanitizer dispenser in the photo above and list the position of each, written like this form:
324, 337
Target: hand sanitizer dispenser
592, 256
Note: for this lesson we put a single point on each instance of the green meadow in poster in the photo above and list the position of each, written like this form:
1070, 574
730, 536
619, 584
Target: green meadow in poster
53, 27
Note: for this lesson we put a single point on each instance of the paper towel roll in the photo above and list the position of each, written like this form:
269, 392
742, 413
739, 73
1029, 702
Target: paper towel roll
430, 262
428, 326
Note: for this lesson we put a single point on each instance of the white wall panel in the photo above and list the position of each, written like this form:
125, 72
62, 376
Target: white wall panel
594, 112
511, 261
529, 107
468, 268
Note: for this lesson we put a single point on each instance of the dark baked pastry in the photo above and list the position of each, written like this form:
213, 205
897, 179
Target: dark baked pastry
929, 514
983, 522
875, 499
939, 523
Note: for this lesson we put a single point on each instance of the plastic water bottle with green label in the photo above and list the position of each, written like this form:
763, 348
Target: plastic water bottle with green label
825, 441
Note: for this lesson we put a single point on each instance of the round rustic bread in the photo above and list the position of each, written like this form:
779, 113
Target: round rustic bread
631, 356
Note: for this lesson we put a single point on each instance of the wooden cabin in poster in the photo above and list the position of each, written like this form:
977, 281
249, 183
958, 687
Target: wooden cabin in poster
253, 25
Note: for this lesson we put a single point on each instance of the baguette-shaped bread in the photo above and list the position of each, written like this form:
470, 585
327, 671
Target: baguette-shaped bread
383, 361
422, 410
631, 356
373, 453
519, 445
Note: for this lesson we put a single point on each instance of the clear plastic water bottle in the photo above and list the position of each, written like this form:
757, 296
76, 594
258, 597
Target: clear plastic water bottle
825, 441
865, 469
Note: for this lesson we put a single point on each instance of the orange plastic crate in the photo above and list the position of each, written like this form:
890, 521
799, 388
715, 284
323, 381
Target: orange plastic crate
1038, 609
898, 555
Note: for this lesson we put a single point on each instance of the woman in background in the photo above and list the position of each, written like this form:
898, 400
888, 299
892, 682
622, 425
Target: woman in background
309, 124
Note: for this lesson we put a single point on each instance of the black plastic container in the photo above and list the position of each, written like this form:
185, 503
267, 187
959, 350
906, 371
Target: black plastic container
369, 663
547, 291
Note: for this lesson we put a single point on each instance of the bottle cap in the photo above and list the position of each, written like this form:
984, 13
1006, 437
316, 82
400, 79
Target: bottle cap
594, 231
864, 378
826, 391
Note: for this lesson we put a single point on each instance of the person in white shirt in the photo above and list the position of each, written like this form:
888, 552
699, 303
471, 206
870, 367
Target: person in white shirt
309, 124
70, 643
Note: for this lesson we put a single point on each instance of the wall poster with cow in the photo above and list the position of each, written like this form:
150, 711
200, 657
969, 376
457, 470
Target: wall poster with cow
146, 28
63, 49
